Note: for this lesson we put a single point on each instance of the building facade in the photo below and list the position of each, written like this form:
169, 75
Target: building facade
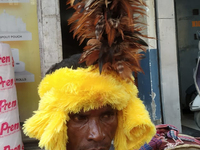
161, 89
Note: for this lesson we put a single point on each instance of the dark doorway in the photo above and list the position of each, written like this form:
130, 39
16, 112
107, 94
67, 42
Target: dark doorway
69, 44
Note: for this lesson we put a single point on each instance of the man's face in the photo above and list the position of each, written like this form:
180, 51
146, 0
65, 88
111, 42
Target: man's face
92, 130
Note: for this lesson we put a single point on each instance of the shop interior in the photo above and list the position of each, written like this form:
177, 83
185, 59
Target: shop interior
187, 17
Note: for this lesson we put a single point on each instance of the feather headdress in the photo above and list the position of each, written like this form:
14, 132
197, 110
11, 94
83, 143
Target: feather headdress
113, 31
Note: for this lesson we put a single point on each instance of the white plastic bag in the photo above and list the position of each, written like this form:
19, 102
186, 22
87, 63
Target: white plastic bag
10, 134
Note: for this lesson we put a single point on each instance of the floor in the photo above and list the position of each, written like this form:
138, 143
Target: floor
30, 144
189, 126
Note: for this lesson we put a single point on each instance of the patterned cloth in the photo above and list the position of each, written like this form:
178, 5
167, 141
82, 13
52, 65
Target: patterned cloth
155, 144
168, 137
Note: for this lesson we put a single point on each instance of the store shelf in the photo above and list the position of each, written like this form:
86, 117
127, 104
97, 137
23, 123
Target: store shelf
21, 36
14, 1
24, 76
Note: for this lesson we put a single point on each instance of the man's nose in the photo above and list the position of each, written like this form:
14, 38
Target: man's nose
96, 132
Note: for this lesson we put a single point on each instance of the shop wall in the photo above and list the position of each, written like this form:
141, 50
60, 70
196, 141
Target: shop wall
26, 41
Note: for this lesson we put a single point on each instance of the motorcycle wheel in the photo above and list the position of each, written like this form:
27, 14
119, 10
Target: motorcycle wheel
197, 118
191, 94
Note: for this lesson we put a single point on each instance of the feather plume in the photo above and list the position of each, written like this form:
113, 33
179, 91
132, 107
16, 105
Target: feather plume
113, 32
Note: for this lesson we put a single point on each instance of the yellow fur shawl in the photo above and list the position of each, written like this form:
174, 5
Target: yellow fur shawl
68, 90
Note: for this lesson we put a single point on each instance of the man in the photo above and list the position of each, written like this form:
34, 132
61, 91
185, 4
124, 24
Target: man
94, 129
87, 108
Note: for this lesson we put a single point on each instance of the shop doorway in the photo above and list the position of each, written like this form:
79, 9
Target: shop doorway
187, 18
69, 44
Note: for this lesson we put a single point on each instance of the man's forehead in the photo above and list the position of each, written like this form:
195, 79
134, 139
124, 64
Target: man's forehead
97, 110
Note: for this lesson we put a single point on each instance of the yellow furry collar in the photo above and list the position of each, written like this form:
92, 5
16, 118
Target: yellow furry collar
68, 90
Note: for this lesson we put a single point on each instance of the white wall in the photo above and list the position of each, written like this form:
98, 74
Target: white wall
168, 62
151, 24
49, 33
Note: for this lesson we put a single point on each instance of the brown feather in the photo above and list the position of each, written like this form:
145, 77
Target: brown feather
114, 33
93, 57
111, 36
72, 2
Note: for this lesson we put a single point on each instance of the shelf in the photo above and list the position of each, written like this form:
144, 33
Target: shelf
25, 76
14, 1
21, 36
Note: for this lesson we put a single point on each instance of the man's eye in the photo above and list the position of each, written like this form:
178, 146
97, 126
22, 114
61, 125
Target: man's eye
79, 118
108, 116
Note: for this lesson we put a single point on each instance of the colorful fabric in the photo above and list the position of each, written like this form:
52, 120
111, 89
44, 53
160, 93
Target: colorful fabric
146, 147
168, 137
156, 143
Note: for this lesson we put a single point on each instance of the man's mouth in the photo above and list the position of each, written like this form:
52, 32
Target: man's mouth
98, 148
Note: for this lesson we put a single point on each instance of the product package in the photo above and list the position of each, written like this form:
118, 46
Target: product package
10, 132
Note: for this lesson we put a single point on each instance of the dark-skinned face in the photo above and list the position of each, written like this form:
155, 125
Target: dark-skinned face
92, 130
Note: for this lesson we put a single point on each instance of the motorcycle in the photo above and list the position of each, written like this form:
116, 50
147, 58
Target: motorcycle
195, 104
